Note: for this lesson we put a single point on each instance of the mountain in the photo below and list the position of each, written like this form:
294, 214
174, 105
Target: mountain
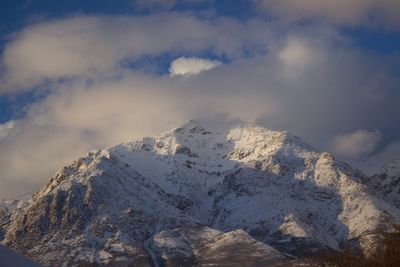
198, 197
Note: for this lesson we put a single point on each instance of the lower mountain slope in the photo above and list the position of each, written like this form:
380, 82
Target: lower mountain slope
203, 246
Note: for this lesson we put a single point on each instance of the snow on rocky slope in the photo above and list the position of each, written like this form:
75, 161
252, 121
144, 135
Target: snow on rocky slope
386, 183
126, 204
8, 207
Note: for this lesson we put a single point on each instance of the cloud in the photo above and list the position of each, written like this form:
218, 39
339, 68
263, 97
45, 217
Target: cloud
6, 128
311, 82
357, 144
192, 65
375, 163
295, 53
355, 12
162, 5
155, 4
92, 47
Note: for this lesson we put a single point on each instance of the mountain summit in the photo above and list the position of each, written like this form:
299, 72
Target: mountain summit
192, 196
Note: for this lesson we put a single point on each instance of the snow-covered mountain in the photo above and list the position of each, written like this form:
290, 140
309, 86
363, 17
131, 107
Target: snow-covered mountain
198, 197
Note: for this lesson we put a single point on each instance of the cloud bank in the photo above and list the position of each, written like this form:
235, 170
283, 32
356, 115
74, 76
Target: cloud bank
89, 46
356, 12
357, 144
312, 82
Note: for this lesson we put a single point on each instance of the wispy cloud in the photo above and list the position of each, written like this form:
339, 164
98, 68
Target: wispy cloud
356, 12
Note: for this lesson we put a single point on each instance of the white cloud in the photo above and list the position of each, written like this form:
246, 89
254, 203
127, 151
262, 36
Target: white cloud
295, 53
357, 144
354, 12
6, 128
86, 46
192, 65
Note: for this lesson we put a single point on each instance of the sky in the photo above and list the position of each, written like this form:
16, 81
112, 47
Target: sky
80, 75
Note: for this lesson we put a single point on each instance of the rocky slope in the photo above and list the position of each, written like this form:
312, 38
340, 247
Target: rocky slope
148, 202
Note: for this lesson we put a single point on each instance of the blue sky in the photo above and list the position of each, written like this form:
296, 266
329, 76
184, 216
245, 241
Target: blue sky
78, 75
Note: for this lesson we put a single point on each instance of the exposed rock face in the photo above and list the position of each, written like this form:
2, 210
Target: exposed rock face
145, 203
